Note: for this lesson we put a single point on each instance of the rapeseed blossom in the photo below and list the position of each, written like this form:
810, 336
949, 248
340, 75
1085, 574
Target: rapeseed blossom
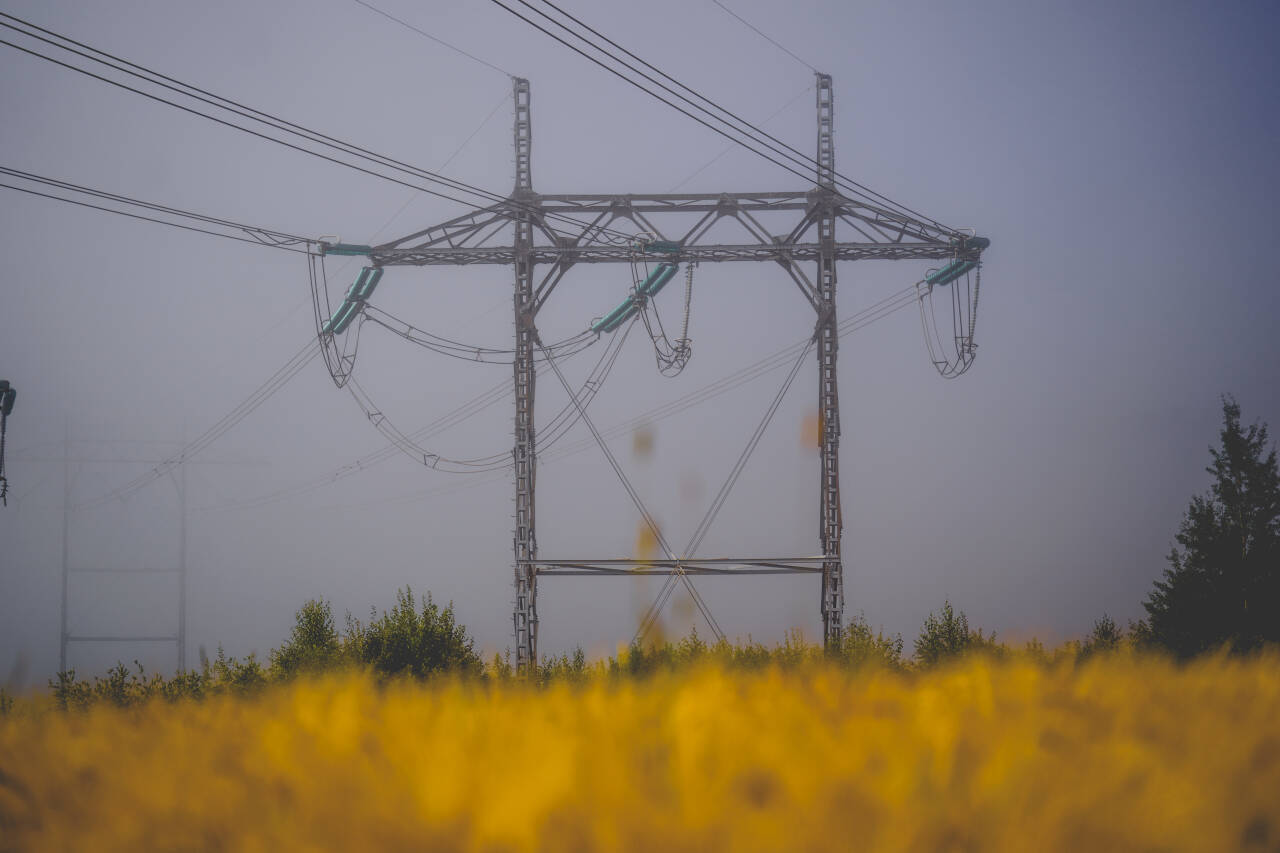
1120, 752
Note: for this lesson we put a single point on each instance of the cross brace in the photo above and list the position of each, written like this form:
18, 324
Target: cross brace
693, 566
528, 230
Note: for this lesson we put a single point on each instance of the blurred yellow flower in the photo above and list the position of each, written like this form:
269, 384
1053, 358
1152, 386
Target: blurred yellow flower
1120, 752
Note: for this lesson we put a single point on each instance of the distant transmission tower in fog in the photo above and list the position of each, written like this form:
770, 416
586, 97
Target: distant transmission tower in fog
177, 568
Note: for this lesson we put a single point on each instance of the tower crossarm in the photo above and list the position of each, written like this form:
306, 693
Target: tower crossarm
469, 229
711, 253
895, 225
882, 223
592, 229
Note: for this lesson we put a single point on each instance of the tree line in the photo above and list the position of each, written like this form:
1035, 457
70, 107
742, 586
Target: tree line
1221, 591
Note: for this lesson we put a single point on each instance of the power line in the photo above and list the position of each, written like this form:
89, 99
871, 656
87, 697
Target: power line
799, 156
848, 326
214, 100
627, 79
236, 108
877, 311
225, 123
472, 407
860, 319
435, 39
393, 217
277, 235
335, 359
145, 218
753, 133
551, 433
779, 111
260, 395
760, 33
258, 236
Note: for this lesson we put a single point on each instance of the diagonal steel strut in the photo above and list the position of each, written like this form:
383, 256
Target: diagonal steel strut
704, 526
632, 493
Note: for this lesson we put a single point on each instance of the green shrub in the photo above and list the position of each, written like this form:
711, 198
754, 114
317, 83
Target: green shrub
572, 670
1105, 637
947, 636
406, 641
860, 647
69, 694
231, 675
313, 644
943, 636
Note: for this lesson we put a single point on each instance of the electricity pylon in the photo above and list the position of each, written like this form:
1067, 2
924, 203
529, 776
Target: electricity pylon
681, 223
178, 569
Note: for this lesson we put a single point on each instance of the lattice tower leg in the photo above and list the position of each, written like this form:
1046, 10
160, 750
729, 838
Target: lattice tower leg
828, 389
525, 453
829, 408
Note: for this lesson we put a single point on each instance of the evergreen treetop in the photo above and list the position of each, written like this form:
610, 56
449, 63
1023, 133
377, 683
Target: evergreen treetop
1223, 583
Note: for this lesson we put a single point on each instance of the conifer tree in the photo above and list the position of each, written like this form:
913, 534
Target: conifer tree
1223, 583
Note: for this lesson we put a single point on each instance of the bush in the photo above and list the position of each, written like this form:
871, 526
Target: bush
572, 670
948, 636
123, 688
860, 647
944, 636
407, 642
1105, 637
230, 675
313, 644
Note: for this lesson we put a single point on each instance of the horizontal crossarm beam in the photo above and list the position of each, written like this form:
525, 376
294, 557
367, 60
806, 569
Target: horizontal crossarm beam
594, 229
894, 222
646, 571
715, 253
141, 638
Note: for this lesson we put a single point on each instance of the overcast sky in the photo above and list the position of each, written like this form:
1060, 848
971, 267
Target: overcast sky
1120, 156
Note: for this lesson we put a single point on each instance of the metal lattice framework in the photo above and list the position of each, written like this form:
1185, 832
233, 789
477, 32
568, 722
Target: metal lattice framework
557, 232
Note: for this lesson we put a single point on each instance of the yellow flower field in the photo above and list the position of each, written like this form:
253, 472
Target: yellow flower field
1119, 753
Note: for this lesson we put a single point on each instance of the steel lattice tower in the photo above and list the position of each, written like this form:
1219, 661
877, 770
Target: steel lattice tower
878, 231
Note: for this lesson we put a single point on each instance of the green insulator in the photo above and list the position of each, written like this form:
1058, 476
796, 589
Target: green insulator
644, 286
344, 249
613, 318
653, 284
628, 310
942, 275
950, 272
342, 317
371, 277
353, 292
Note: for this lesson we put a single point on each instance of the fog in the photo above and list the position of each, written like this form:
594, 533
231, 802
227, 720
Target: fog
1121, 157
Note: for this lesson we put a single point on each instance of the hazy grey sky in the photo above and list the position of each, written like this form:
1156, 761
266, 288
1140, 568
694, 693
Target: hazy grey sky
1121, 156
